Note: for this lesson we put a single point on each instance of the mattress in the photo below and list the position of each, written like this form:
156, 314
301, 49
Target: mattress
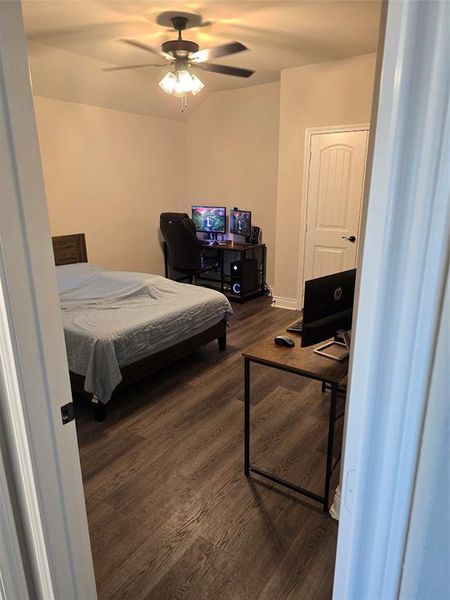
112, 319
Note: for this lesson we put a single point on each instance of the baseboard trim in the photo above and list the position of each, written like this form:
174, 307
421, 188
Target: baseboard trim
281, 302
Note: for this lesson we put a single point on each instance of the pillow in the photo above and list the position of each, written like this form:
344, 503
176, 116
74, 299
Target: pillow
71, 276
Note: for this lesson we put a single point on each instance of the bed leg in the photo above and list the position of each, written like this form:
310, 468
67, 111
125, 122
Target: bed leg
222, 341
99, 410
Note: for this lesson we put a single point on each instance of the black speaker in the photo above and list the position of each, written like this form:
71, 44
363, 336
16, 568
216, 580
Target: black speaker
244, 276
254, 237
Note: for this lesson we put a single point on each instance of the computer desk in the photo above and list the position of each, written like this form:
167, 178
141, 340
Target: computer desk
243, 251
305, 363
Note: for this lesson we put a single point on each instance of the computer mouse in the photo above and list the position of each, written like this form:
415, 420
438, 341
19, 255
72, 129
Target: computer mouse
284, 340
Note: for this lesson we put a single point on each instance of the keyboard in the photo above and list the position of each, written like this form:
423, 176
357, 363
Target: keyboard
213, 243
296, 328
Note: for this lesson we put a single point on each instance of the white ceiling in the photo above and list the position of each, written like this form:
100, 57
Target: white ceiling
71, 40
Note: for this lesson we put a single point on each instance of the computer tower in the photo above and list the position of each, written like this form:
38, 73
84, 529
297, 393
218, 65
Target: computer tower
244, 276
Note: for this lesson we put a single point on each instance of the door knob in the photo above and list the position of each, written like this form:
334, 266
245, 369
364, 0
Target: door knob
351, 238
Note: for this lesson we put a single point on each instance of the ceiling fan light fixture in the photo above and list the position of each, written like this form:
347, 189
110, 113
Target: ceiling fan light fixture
184, 54
180, 83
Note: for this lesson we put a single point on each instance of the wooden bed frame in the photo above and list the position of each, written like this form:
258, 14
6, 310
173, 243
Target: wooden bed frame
70, 249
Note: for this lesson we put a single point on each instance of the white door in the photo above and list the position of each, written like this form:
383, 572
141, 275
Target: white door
39, 448
335, 190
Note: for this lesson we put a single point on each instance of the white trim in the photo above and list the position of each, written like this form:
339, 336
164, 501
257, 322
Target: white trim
13, 422
281, 302
304, 196
425, 571
13, 583
400, 290
43, 452
336, 129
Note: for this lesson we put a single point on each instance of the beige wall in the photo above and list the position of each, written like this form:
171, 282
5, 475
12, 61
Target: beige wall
232, 156
110, 174
330, 93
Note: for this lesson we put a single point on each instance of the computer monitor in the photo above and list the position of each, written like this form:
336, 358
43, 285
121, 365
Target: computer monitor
328, 308
209, 219
240, 221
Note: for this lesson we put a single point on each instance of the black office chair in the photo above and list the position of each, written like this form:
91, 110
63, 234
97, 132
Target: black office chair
184, 251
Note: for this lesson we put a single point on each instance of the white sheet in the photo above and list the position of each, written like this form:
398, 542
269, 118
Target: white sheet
72, 276
112, 319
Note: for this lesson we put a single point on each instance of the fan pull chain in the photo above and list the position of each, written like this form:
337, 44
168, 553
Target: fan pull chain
184, 102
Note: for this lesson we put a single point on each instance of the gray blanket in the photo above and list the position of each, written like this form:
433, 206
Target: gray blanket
113, 319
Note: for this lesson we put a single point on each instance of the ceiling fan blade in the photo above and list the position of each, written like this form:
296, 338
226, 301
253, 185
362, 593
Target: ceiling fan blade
142, 46
225, 70
218, 51
147, 48
133, 67
203, 24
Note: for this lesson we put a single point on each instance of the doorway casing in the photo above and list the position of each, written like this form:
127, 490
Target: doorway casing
44, 486
384, 423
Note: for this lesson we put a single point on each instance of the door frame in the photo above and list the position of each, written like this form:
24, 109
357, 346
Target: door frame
400, 287
309, 133
376, 501
51, 548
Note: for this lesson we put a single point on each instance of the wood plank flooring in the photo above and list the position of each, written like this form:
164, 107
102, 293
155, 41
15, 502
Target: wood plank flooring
171, 514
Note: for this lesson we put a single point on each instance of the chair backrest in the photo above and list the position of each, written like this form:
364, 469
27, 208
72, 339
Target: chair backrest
184, 249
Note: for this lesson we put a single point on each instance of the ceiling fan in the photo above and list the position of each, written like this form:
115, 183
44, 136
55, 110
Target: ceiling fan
183, 55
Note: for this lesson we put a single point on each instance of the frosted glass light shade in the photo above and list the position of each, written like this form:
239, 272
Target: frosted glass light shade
181, 83
167, 83
197, 85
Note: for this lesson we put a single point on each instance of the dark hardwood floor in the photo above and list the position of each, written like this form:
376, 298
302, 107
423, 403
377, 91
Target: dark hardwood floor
170, 512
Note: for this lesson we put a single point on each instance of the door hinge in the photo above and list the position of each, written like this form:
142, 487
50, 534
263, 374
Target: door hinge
306, 227
67, 413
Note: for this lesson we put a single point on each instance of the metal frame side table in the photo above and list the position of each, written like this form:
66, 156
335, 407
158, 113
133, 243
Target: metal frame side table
303, 362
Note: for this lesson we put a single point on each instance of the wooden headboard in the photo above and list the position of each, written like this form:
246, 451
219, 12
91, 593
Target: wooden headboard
69, 249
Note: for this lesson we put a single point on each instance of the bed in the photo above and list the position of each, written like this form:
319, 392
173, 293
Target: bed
120, 327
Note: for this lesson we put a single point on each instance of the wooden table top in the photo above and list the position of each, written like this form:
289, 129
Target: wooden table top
302, 361
236, 246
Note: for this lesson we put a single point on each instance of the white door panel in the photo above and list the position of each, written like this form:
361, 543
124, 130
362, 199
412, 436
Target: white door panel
328, 260
335, 187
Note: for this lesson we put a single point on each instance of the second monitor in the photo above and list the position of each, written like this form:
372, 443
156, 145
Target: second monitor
240, 221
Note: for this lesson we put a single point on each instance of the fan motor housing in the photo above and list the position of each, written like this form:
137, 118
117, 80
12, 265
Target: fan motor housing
180, 48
